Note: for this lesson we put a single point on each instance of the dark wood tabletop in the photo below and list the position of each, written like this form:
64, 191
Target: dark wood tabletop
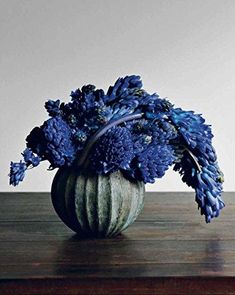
168, 250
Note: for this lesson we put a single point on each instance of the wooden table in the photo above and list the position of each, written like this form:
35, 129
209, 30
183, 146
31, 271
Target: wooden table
168, 250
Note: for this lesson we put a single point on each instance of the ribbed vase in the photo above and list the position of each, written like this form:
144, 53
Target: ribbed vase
96, 205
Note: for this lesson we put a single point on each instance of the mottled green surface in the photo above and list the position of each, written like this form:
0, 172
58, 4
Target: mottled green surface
96, 205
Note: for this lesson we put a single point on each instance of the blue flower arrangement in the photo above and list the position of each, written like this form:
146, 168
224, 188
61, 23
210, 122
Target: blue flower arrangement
130, 130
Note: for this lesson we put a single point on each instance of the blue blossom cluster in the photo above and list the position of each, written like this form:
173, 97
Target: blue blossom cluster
198, 162
113, 151
53, 142
130, 130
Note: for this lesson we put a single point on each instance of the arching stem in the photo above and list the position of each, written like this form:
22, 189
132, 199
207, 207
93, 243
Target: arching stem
101, 131
194, 159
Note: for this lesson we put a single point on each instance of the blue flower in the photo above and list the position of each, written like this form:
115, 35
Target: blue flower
151, 163
87, 98
59, 149
53, 142
17, 172
193, 130
112, 151
197, 161
123, 87
36, 141
30, 158
53, 107
207, 182
208, 194
144, 132
86, 109
155, 107
125, 96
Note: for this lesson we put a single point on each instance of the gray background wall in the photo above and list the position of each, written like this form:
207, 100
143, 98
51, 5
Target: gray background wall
183, 49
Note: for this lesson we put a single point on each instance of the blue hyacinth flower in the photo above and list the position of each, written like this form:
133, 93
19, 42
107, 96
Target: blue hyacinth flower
17, 172
113, 151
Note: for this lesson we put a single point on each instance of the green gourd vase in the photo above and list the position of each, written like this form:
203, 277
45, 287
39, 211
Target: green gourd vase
96, 205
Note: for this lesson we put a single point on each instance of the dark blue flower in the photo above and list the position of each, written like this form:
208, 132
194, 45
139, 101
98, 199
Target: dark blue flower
151, 163
59, 149
144, 132
112, 151
17, 172
76, 95
197, 161
53, 107
207, 182
125, 96
87, 110
30, 158
193, 129
123, 87
87, 98
208, 194
53, 142
36, 141
155, 107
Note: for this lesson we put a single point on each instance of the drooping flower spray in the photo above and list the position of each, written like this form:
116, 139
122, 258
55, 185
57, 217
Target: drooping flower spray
130, 130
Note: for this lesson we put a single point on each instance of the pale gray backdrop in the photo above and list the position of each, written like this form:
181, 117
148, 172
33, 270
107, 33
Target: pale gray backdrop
183, 49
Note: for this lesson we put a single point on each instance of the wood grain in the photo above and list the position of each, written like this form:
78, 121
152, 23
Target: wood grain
168, 250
